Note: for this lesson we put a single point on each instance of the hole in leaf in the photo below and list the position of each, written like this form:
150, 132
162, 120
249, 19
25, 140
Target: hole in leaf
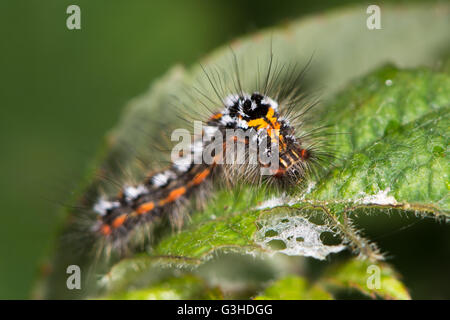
277, 244
299, 239
329, 238
316, 219
270, 233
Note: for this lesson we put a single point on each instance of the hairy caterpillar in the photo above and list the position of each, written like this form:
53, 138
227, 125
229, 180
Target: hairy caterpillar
271, 114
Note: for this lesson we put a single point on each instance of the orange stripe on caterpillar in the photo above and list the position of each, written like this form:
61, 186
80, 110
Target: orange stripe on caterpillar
272, 127
105, 230
216, 116
258, 123
117, 222
173, 195
199, 177
145, 207
304, 154
273, 120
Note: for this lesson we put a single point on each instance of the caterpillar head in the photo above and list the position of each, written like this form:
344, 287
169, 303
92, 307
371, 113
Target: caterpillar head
258, 116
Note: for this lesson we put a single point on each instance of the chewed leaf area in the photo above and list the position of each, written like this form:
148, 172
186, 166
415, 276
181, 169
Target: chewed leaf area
295, 235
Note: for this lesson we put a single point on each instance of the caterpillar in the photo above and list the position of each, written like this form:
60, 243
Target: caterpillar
268, 119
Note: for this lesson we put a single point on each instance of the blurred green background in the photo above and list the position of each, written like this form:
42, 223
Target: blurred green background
62, 90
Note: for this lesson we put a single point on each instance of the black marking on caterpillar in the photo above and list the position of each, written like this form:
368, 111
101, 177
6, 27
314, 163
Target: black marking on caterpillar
276, 105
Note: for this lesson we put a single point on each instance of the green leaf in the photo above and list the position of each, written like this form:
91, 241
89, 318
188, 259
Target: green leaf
393, 153
397, 140
186, 287
293, 288
374, 280
375, 176
403, 168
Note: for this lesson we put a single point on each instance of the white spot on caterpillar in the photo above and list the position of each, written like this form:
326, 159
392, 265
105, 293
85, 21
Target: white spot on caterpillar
245, 96
161, 179
183, 164
291, 137
270, 102
226, 119
103, 205
230, 100
131, 192
242, 124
